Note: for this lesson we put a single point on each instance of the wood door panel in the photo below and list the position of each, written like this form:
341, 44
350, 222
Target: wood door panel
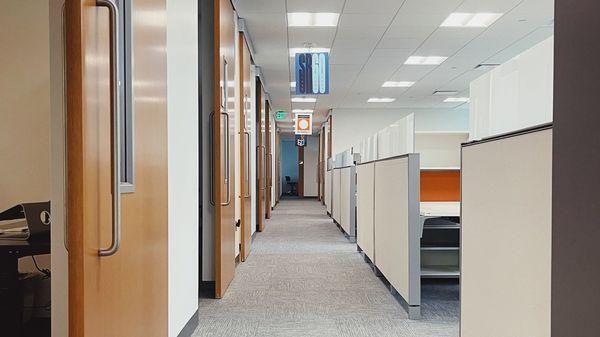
268, 161
224, 137
245, 89
105, 296
260, 156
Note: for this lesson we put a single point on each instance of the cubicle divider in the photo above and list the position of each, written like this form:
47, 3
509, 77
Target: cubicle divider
335, 195
389, 227
327, 192
348, 201
506, 233
365, 202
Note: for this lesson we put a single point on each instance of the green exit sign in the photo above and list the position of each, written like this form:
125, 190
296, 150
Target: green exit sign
280, 115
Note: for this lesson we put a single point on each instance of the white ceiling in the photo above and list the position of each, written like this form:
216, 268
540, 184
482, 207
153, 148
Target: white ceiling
375, 37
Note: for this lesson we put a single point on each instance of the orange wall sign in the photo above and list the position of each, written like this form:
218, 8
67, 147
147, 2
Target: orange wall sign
303, 124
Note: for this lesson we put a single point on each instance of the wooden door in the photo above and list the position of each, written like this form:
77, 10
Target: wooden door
268, 162
117, 248
223, 140
260, 156
245, 88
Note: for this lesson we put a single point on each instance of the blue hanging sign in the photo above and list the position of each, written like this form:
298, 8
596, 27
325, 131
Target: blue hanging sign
312, 73
300, 140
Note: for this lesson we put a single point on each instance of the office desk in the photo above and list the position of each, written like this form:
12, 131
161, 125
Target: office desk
435, 255
11, 299
440, 209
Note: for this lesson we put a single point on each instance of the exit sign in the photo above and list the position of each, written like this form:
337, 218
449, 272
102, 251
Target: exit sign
280, 115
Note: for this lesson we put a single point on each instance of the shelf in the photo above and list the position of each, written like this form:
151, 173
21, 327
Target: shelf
440, 168
442, 133
440, 248
440, 272
442, 227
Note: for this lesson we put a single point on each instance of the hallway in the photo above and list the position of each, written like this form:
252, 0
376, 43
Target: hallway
304, 278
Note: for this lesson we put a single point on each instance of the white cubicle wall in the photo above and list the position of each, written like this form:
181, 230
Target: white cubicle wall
397, 139
397, 227
515, 95
348, 200
439, 150
365, 202
506, 235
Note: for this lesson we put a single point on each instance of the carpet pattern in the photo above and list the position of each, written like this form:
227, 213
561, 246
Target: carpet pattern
304, 278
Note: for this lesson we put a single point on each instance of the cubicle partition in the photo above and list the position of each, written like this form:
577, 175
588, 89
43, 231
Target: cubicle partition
336, 201
365, 202
327, 192
348, 200
506, 231
397, 227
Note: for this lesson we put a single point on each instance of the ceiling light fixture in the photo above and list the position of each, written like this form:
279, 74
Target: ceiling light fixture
445, 92
425, 60
397, 84
304, 99
470, 19
302, 111
381, 100
302, 19
294, 51
457, 100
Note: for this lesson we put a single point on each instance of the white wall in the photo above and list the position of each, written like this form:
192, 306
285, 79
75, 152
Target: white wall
516, 95
311, 161
182, 96
350, 126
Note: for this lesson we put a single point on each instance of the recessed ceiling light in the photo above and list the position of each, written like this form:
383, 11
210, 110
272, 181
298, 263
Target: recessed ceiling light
292, 84
397, 84
304, 99
425, 60
470, 19
445, 93
300, 19
457, 100
302, 111
294, 51
380, 100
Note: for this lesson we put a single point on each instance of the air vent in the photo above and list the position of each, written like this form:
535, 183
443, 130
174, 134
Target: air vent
487, 65
445, 92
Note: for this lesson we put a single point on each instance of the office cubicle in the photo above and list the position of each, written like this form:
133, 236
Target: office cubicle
506, 186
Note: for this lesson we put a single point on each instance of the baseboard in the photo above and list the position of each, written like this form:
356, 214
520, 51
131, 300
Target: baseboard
190, 326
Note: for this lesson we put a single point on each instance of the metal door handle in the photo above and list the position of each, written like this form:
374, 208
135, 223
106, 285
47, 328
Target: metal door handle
227, 149
247, 135
116, 130
65, 130
211, 125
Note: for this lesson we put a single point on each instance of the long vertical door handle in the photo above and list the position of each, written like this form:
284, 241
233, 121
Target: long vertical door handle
65, 130
211, 125
247, 135
264, 158
116, 127
227, 162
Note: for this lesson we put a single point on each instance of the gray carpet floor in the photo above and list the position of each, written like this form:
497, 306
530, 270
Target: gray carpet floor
304, 278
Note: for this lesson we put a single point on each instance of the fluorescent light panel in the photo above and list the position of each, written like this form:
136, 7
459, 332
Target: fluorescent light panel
302, 111
294, 51
445, 92
425, 60
470, 19
303, 19
380, 100
456, 100
304, 99
397, 84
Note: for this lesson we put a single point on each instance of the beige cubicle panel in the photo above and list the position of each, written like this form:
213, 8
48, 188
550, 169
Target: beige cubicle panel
345, 200
335, 195
365, 189
506, 235
327, 192
397, 227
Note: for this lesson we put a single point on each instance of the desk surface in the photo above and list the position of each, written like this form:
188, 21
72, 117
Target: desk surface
437, 209
21, 248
